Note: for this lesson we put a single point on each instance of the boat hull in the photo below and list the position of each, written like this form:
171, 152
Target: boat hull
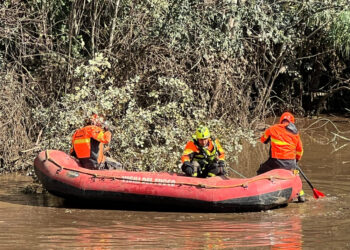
63, 176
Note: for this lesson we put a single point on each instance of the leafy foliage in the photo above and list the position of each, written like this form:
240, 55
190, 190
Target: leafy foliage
340, 33
146, 136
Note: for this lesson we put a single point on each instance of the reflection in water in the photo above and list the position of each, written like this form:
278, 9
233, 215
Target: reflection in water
184, 234
207, 235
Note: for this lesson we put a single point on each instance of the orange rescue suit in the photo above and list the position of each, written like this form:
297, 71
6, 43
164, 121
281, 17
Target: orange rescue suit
88, 142
284, 143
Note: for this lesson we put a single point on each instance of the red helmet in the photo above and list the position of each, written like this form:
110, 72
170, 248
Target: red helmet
287, 116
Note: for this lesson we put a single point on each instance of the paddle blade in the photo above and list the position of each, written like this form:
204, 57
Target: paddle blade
318, 194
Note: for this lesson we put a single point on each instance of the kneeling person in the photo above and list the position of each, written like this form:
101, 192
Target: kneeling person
203, 156
88, 145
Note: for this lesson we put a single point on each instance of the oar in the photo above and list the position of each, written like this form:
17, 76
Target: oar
317, 193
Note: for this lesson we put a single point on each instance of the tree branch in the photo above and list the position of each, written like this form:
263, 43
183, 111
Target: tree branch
329, 94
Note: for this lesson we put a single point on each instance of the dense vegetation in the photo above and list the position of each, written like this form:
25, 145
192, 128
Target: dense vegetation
159, 68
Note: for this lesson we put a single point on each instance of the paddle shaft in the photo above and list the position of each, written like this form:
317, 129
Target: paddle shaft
306, 179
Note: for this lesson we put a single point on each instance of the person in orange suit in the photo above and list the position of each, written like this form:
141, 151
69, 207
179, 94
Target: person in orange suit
88, 144
203, 156
286, 148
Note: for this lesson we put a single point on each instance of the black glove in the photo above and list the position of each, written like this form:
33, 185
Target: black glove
222, 167
187, 168
222, 163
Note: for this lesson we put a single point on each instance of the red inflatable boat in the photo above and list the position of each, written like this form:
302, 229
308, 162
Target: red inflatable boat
62, 175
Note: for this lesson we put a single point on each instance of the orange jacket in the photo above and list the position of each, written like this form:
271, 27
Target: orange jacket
88, 142
214, 151
285, 142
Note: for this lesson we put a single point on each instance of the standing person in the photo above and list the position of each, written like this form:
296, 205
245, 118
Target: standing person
203, 156
88, 144
286, 148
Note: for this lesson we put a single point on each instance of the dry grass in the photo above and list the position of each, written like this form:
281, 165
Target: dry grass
14, 131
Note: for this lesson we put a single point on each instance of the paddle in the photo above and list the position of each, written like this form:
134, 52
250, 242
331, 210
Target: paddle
317, 193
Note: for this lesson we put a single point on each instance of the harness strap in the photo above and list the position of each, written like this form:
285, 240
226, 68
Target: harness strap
202, 151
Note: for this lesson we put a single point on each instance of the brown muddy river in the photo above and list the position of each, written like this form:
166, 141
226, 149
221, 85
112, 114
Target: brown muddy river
42, 221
